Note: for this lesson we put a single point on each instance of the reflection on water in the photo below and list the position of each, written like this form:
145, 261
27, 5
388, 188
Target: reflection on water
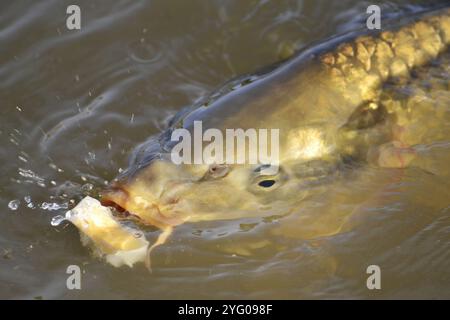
74, 103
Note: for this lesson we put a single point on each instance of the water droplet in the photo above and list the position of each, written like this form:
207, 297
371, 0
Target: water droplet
33, 177
27, 199
52, 206
14, 205
143, 52
91, 156
56, 220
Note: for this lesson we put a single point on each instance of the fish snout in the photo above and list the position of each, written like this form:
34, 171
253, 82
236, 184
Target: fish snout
137, 204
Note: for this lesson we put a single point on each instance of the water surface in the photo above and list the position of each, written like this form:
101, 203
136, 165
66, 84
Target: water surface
73, 104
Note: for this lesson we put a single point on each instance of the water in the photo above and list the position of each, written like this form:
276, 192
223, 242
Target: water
75, 103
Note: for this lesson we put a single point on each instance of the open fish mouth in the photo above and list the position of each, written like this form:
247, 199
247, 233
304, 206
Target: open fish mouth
117, 198
120, 211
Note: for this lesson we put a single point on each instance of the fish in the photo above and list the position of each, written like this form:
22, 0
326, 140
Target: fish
329, 104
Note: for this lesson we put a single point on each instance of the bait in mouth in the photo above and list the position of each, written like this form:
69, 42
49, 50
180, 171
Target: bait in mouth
118, 244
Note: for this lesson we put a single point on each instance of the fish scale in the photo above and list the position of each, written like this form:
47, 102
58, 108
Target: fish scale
371, 60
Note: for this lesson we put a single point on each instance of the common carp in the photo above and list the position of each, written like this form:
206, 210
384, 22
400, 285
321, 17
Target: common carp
327, 102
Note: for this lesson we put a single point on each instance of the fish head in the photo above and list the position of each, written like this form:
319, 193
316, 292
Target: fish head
161, 192
164, 194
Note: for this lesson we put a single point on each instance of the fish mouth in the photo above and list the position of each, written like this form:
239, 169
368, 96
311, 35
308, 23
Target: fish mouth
118, 198
117, 208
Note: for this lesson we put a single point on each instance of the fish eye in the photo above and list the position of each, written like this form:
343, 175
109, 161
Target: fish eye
261, 183
266, 183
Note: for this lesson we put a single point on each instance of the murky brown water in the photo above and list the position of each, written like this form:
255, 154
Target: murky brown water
73, 104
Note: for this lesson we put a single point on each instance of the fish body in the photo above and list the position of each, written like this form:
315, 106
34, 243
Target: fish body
328, 105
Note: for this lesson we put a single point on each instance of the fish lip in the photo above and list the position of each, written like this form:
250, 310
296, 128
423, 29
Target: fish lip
117, 208
116, 197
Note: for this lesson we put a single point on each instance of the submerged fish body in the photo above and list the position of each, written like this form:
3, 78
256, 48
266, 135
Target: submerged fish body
330, 105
